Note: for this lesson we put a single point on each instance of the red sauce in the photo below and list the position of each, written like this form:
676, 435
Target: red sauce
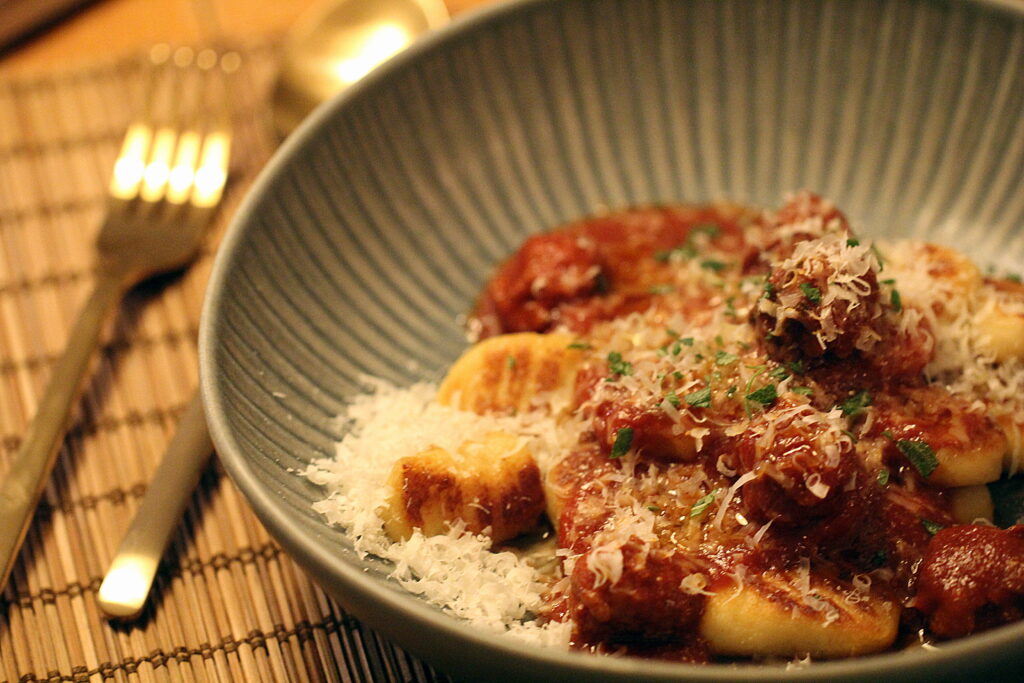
645, 609
597, 269
972, 578
854, 502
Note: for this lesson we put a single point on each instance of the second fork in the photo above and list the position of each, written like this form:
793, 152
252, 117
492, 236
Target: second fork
166, 182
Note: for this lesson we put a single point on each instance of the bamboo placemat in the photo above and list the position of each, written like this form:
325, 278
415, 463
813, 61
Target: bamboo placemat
228, 604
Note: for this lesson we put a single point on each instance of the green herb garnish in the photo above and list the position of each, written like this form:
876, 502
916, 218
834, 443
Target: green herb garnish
920, 455
713, 265
895, 300
725, 358
803, 391
931, 527
710, 229
617, 366
699, 399
812, 293
855, 403
882, 477
702, 503
766, 395
878, 255
623, 440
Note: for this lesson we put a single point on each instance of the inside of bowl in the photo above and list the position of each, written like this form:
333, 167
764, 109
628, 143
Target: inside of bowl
373, 231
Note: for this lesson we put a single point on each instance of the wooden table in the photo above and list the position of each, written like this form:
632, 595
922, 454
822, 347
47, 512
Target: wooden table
228, 604
113, 27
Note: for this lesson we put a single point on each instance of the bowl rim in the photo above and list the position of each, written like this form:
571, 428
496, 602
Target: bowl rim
319, 560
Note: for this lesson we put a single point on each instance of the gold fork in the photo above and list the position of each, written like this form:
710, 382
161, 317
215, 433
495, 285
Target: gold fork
167, 181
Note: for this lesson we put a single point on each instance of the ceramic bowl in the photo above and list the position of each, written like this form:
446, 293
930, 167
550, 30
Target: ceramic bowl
376, 224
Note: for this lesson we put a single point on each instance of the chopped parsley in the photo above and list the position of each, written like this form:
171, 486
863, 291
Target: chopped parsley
700, 399
654, 508
920, 455
725, 358
882, 477
510, 361
803, 391
878, 255
730, 391
1012, 277
895, 300
672, 398
812, 293
661, 289
778, 373
769, 290
713, 265
582, 346
676, 348
931, 527
856, 403
766, 395
796, 367
702, 503
853, 242
710, 229
683, 251
617, 366
686, 341
623, 440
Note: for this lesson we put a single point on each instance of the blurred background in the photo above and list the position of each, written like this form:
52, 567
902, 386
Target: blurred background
40, 34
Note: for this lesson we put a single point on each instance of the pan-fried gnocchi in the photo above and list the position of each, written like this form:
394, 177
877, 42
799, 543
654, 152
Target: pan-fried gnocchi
745, 434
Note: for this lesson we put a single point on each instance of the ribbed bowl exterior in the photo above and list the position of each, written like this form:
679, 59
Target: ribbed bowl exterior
375, 226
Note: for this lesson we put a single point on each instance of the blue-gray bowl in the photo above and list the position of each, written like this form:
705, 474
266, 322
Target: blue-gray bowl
376, 224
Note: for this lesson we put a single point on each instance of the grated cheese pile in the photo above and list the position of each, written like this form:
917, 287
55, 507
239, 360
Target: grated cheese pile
457, 572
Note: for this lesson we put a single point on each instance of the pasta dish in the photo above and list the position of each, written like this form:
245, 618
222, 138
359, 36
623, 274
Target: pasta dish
698, 433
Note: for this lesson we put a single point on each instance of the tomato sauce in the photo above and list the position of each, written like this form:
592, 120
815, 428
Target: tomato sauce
805, 434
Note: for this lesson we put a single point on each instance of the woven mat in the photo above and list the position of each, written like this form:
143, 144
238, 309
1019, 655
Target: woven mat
228, 604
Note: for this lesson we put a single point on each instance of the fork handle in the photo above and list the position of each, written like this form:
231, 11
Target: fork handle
32, 463
127, 582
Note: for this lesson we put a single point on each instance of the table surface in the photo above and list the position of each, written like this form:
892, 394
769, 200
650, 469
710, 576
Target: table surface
107, 27
228, 605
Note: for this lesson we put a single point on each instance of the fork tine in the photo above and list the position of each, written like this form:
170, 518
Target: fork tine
211, 173
130, 167
173, 111
189, 141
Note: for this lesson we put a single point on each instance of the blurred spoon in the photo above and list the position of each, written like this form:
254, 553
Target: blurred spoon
338, 42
